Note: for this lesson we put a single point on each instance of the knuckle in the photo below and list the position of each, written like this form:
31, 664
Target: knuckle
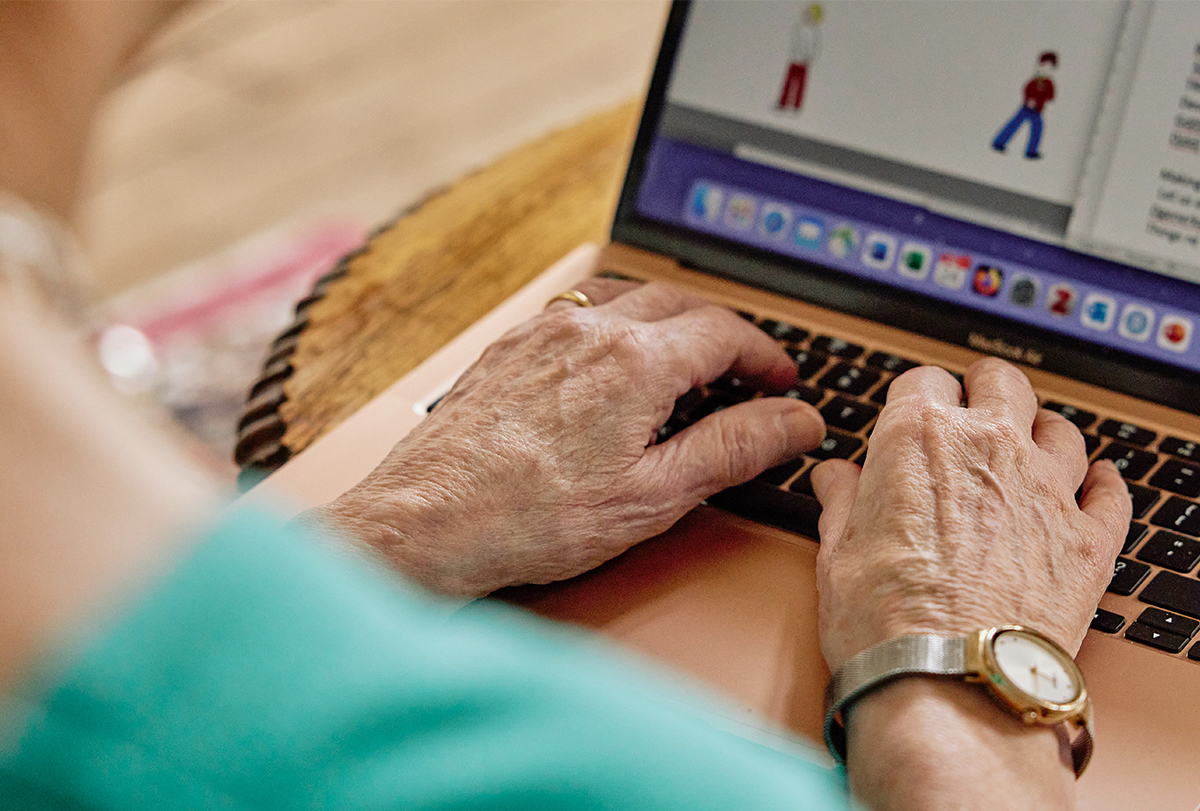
625, 344
563, 322
740, 443
912, 419
665, 291
995, 371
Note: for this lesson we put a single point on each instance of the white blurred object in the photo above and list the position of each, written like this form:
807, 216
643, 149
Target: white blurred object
128, 357
39, 254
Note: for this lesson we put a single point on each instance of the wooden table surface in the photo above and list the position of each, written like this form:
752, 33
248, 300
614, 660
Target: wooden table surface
424, 278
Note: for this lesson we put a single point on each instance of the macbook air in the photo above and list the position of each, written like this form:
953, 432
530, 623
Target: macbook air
878, 186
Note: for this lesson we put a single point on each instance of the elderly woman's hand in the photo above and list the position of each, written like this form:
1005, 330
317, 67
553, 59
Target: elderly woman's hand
539, 463
964, 517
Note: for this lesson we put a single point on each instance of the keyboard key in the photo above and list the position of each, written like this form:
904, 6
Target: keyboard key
686, 404
781, 331
1134, 536
1173, 592
1179, 477
1078, 416
1179, 447
667, 431
836, 445
1107, 621
1180, 515
803, 483
1128, 575
733, 386
891, 363
848, 379
1166, 621
808, 363
1163, 640
768, 504
1133, 463
836, 346
781, 473
1194, 652
1127, 432
880, 394
1143, 499
849, 415
714, 402
1092, 442
808, 393
1171, 551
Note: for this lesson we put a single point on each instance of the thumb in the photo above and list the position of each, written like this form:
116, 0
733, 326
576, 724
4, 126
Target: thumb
836, 484
735, 445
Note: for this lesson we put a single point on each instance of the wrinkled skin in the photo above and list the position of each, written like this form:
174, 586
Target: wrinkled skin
538, 466
963, 516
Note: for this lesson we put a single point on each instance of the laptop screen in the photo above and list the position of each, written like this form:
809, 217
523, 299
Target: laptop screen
1021, 178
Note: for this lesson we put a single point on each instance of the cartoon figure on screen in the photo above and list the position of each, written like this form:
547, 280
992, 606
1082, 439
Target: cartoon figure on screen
806, 43
1038, 91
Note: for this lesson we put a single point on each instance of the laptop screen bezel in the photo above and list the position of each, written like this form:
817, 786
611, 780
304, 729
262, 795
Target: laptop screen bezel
1071, 357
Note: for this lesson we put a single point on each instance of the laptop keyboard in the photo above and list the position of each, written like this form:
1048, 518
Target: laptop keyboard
848, 384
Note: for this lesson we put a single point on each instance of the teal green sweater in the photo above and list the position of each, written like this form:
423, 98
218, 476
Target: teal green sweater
266, 672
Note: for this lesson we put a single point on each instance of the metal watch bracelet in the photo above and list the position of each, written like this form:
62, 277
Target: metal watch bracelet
973, 659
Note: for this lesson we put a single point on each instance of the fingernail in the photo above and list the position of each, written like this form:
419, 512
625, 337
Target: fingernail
804, 422
820, 478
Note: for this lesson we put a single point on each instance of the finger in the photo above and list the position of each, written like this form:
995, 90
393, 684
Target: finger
701, 345
927, 383
836, 484
600, 291
656, 301
1058, 436
999, 387
1106, 498
735, 445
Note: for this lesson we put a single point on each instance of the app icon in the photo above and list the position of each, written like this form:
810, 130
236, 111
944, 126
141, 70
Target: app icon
951, 270
1023, 291
1136, 322
774, 220
1060, 299
706, 202
987, 280
740, 212
843, 241
809, 232
878, 251
1098, 311
915, 260
1174, 333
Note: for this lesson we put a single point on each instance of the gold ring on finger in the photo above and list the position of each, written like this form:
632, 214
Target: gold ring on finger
574, 296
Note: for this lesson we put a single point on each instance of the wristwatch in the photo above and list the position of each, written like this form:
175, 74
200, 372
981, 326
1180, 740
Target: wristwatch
1023, 670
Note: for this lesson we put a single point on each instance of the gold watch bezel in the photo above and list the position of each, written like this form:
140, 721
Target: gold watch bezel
982, 667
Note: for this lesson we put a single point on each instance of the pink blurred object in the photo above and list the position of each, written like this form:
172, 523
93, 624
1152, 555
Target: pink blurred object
208, 324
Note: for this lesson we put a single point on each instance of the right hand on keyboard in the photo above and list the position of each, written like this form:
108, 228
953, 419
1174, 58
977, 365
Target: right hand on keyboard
965, 517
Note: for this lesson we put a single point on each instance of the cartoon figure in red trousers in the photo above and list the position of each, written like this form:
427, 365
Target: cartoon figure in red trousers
806, 44
1038, 92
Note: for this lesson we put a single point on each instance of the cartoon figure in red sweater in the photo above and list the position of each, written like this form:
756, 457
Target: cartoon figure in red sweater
806, 43
1038, 92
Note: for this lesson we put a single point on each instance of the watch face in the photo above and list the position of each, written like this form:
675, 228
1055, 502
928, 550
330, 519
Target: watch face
1035, 667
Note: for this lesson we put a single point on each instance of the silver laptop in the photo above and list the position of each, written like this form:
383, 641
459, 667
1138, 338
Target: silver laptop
880, 185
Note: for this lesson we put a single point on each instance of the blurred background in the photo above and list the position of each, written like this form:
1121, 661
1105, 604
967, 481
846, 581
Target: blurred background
258, 141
